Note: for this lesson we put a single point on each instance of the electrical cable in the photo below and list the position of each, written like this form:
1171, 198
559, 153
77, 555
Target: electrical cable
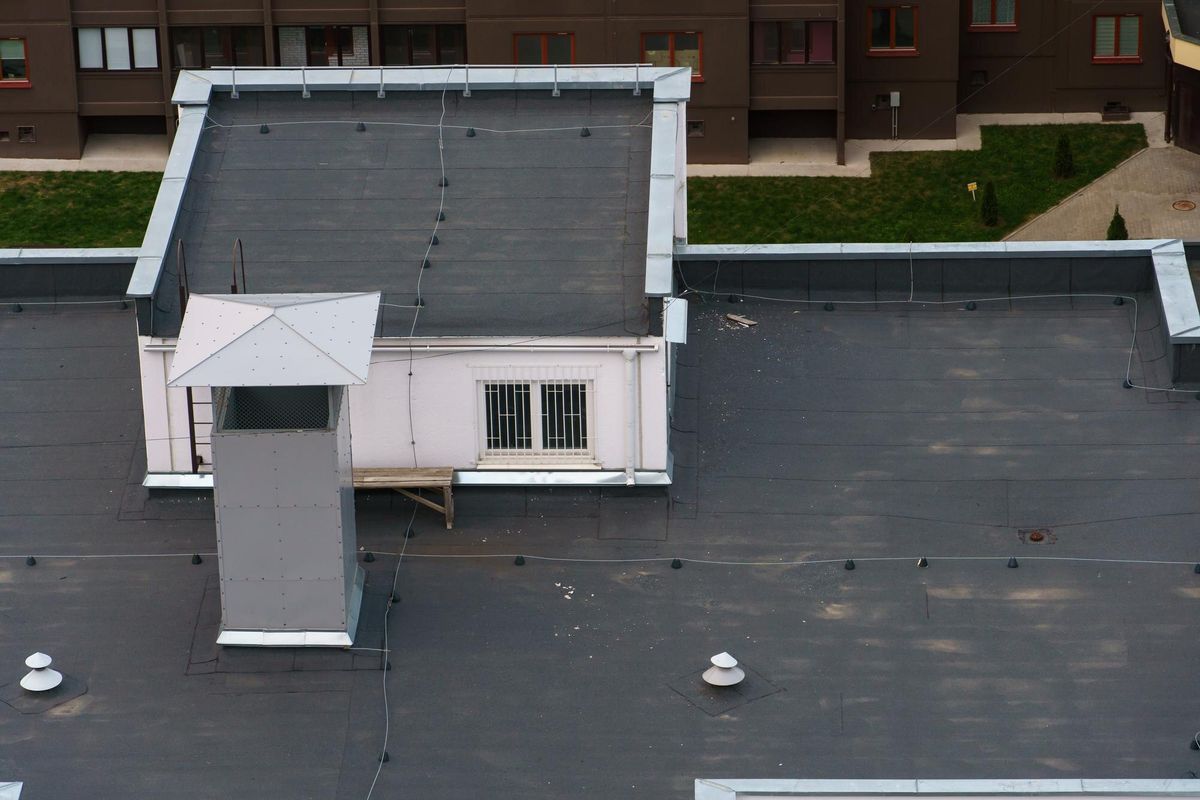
807, 562
640, 124
1129, 384
387, 652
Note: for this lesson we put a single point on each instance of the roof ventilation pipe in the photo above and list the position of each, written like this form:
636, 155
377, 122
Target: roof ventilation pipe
724, 671
40, 677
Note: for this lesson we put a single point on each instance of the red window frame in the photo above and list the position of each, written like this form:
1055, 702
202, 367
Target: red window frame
545, 42
1116, 59
27, 81
993, 26
893, 51
698, 75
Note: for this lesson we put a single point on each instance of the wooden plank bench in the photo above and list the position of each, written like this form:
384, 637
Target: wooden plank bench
405, 479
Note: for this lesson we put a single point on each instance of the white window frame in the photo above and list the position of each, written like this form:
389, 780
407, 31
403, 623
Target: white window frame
133, 40
536, 454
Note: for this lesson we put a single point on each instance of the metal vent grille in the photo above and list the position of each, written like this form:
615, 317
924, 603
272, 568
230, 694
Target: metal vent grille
257, 408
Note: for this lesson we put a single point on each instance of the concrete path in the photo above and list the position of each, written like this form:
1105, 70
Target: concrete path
816, 157
104, 152
1145, 186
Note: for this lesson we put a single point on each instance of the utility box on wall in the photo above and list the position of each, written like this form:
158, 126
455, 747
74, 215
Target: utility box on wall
285, 516
279, 366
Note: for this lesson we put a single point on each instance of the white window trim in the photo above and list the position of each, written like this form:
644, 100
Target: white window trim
132, 49
536, 455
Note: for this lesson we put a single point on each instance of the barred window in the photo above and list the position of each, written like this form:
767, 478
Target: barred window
536, 419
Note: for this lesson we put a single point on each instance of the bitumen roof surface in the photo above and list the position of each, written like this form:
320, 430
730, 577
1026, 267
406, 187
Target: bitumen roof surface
884, 434
542, 224
1189, 17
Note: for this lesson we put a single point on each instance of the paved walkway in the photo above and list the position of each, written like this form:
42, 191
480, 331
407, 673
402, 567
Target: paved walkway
104, 152
816, 157
1145, 186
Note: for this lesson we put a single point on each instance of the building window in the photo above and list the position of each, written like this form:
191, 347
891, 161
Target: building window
993, 14
422, 45
544, 48
893, 30
1117, 39
538, 419
14, 69
117, 49
795, 42
26, 134
203, 48
695, 129
674, 50
324, 46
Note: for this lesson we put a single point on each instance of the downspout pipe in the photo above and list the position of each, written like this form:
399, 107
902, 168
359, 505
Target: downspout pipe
631, 413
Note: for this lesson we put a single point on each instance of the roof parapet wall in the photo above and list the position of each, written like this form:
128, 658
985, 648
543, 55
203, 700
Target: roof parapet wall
670, 87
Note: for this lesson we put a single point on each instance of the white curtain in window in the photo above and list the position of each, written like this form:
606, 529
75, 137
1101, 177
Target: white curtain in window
1106, 35
91, 49
981, 12
145, 48
116, 43
1130, 36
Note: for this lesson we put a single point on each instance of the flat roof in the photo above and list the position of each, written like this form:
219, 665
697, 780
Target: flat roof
332, 180
882, 435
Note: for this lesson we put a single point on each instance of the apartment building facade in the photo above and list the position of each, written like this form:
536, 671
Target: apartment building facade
860, 69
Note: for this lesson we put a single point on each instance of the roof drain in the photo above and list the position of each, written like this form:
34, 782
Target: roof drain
466, 80
556, 92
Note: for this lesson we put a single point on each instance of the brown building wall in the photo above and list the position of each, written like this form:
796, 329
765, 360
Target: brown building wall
1060, 76
48, 105
927, 82
731, 98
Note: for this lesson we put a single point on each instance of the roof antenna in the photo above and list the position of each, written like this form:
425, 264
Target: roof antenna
239, 258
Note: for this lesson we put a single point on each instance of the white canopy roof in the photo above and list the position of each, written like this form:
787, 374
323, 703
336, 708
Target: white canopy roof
275, 340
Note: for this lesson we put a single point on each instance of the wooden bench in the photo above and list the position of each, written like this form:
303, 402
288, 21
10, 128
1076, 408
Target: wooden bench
404, 480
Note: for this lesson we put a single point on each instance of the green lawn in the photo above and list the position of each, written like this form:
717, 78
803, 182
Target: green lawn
911, 196
75, 209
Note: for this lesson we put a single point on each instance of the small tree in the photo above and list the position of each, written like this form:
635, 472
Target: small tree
1064, 161
1116, 227
989, 212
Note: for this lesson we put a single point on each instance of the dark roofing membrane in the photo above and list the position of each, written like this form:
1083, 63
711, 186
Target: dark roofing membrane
545, 231
1188, 14
889, 433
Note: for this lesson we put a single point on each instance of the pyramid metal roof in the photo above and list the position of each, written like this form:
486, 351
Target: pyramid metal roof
319, 339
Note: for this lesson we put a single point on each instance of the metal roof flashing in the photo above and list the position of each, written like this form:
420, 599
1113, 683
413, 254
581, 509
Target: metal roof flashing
275, 340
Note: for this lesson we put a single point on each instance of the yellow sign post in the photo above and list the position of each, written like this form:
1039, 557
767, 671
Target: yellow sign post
971, 187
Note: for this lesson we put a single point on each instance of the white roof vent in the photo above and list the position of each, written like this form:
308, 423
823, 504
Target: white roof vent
40, 678
275, 340
724, 671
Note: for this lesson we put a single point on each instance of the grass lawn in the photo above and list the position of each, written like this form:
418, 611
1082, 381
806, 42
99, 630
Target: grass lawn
75, 209
911, 196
